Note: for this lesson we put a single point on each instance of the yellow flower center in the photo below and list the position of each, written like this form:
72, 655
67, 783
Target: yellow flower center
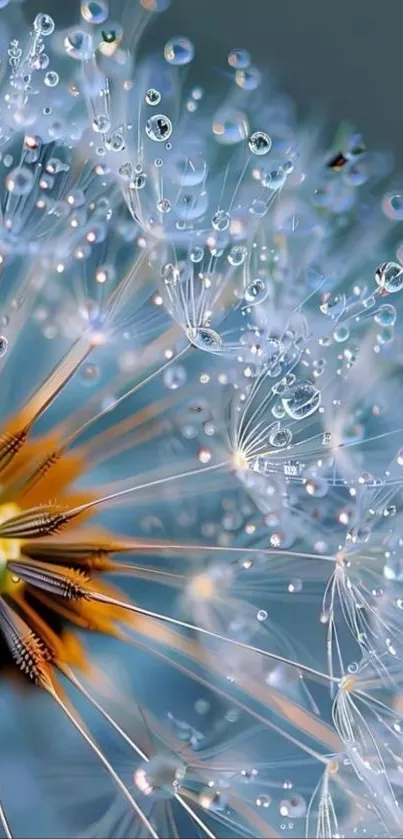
10, 549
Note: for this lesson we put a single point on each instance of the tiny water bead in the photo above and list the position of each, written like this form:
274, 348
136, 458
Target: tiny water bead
94, 11
158, 128
179, 51
51, 78
259, 143
44, 24
153, 96
389, 277
3, 345
101, 124
221, 220
239, 59
196, 254
237, 255
256, 291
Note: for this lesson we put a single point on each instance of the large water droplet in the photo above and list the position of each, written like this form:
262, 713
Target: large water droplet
301, 400
204, 338
158, 128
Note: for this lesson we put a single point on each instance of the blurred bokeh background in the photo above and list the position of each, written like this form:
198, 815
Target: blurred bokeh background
343, 59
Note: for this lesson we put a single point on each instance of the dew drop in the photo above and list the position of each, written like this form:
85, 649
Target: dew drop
237, 255
204, 338
153, 96
196, 254
239, 59
51, 78
302, 400
179, 51
78, 44
94, 11
280, 437
221, 220
248, 79
259, 143
158, 128
20, 180
256, 291
389, 277
44, 24
3, 345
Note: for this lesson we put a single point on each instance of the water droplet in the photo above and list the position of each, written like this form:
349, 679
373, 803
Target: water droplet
196, 254
175, 376
44, 24
237, 255
386, 315
78, 44
295, 807
263, 801
239, 59
333, 306
20, 180
341, 333
274, 179
280, 437
153, 96
262, 615
41, 62
158, 128
256, 291
248, 79
204, 338
259, 143
302, 400
3, 345
164, 205
392, 206
230, 126
101, 124
94, 11
51, 78
179, 51
139, 181
221, 220
389, 276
